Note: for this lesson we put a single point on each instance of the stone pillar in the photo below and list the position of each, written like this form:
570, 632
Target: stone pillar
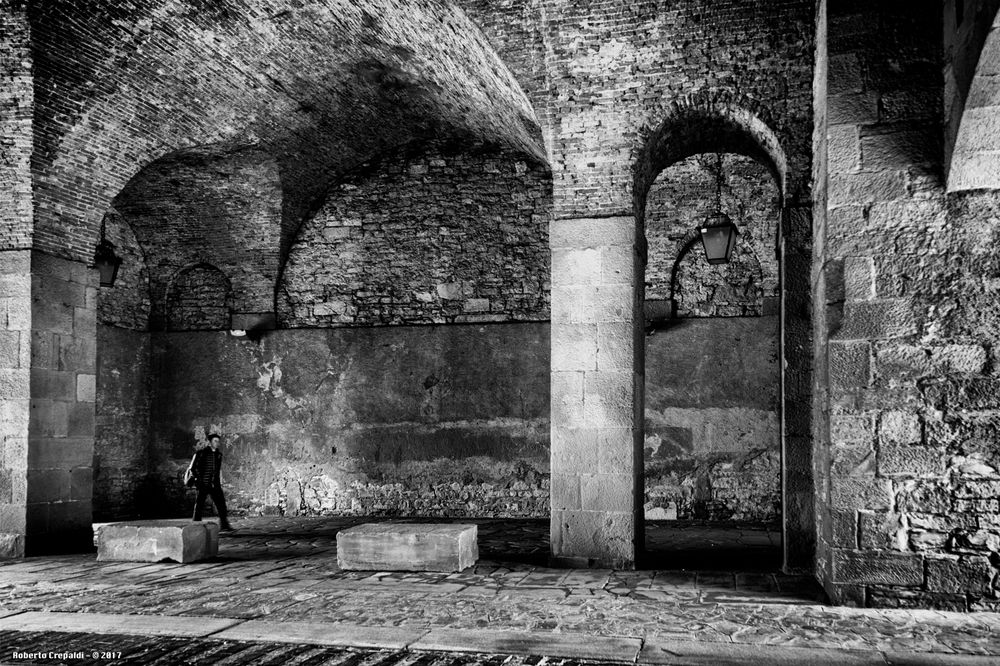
597, 392
63, 394
15, 367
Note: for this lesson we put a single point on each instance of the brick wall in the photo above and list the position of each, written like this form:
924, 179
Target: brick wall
319, 86
436, 235
911, 322
212, 221
16, 106
680, 199
618, 72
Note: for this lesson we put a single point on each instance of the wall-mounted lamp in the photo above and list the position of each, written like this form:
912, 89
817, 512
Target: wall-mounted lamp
718, 234
106, 261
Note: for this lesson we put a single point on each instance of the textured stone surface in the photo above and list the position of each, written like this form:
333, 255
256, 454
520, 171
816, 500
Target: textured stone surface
179, 541
407, 547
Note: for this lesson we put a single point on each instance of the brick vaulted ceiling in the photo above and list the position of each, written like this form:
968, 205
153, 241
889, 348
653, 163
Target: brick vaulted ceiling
319, 86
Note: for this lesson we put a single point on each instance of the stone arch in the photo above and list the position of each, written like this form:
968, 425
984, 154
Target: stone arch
199, 298
725, 123
705, 123
975, 160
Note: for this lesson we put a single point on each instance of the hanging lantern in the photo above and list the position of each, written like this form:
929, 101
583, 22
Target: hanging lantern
718, 234
106, 261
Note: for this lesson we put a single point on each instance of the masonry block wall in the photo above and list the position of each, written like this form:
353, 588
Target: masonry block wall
434, 234
910, 330
16, 107
966, 26
63, 393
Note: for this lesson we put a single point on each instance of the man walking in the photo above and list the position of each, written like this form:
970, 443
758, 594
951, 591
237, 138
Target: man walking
206, 467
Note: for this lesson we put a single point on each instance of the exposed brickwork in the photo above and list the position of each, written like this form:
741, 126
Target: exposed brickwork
679, 201
431, 236
596, 47
203, 222
16, 106
320, 87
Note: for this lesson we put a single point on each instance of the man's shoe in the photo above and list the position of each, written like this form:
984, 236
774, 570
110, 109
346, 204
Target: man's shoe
227, 528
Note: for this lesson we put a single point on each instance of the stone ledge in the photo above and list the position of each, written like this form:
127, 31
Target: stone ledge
157, 540
408, 547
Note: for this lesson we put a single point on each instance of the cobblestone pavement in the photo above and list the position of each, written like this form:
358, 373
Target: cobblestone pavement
282, 571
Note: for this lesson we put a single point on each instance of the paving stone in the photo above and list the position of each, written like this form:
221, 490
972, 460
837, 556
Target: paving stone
553, 645
392, 638
103, 623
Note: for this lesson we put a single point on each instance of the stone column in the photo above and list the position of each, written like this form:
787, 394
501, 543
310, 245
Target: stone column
597, 392
15, 368
63, 396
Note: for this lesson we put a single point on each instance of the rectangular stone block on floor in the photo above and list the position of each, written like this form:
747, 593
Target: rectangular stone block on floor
157, 540
408, 547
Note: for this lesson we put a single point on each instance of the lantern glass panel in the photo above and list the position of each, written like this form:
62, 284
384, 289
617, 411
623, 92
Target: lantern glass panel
718, 241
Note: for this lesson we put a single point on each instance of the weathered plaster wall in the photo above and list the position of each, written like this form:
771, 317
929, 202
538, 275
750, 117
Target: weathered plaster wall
121, 433
430, 420
911, 327
434, 234
712, 429
680, 199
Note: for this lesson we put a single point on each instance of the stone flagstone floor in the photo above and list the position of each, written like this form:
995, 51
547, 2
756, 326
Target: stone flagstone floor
283, 570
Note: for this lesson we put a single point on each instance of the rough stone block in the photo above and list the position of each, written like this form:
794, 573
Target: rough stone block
852, 428
11, 545
877, 567
910, 460
594, 538
857, 460
574, 347
877, 320
574, 449
157, 540
577, 266
878, 530
607, 492
859, 278
564, 491
615, 346
592, 232
609, 399
60, 453
844, 149
850, 365
567, 399
900, 428
408, 547
971, 575
858, 493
